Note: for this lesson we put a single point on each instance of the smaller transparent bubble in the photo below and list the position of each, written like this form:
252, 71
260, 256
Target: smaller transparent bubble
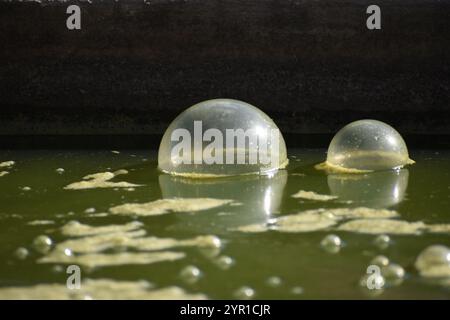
393, 273
42, 243
382, 241
380, 261
244, 293
21, 253
274, 281
224, 262
331, 243
367, 145
190, 274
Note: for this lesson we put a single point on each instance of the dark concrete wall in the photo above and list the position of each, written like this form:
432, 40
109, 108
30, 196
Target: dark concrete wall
311, 65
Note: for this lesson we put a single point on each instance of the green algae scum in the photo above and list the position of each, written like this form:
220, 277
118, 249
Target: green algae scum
301, 233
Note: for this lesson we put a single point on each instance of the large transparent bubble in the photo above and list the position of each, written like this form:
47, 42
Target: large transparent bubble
367, 145
222, 137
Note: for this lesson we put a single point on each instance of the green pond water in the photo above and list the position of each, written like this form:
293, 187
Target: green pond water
419, 193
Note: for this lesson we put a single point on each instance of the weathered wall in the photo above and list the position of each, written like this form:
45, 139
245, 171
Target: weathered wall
311, 65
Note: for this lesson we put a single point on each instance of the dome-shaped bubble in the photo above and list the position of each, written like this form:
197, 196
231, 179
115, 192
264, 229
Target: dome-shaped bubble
367, 145
222, 137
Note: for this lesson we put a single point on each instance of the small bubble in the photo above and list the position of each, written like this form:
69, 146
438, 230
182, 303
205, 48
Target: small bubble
274, 281
382, 241
380, 261
393, 273
21, 253
297, 290
331, 243
68, 252
42, 243
244, 293
60, 170
89, 210
57, 269
213, 242
26, 188
190, 274
224, 262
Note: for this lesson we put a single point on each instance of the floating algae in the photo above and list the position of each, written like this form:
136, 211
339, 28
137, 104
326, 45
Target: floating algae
361, 213
40, 222
114, 259
101, 180
379, 226
97, 243
382, 226
311, 195
253, 228
6, 164
379, 159
74, 228
307, 221
100, 289
438, 228
164, 206
318, 219
90, 241
133, 240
